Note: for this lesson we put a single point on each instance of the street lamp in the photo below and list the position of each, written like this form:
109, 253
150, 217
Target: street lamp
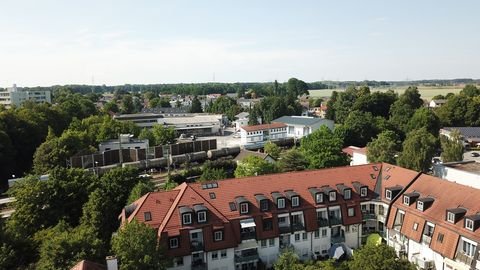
95, 167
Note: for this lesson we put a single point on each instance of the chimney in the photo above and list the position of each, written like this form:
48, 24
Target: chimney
112, 263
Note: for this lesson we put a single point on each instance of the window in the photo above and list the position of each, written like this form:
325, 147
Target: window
295, 201
218, 236
282, 220
415, 226
347, 194
263, 243
333, 196
214, 255
202, 216
450, 217
381, 210
243, 208
264, 205
347, 228
212, 195
440, 237
267, 224
363, 192
420, 205
469, 224
468, 248
317, 234
187, 219
304, 236
406, 200
147, 216
223, 253
174, 242
297, 237
319, 197
351, 211
271, 242
324, 232
388, 194
179, 261
281, 203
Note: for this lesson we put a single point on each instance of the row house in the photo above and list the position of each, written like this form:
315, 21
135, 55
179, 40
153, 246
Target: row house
436, 224
245, 223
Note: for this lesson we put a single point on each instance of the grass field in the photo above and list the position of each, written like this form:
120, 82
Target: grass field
427, 92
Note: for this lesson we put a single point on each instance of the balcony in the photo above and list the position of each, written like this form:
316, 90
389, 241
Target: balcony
284, 228
337, 239
285, 248
248, 235
367, 215
196, 246
335, 220
298, 227
199, 265
426, 239
247, 256
322, 222
464, 258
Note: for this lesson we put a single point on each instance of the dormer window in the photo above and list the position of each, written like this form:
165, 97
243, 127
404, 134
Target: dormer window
450, 217
295, 201
319, 198
469, 224
388, 194
293, 197
187, 218
420, 205
173, 242
347, 194
406, 200
332, 196
202, 216
363, 192
264, 205
244, 208
281, 203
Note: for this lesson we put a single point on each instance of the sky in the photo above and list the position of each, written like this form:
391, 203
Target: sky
117, 42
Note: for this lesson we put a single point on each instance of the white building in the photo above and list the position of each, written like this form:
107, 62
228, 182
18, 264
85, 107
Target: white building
436, 103
463, 172
242, 120
358, 156
125, 141
254, 136
17, 96
300, 126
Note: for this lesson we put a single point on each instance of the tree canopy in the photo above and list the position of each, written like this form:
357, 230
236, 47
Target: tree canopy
252, 166
418, 150
323, 149
452, 147
384, 147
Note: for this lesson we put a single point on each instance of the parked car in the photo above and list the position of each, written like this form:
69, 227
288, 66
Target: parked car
475, 154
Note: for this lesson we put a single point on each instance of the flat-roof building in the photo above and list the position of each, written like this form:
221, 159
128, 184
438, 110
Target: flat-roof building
17, 96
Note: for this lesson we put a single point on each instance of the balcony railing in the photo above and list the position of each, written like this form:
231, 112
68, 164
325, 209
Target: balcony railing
284, 228
334, 220
248, 235
247, 257
426, 239
338, 239
366, 215
322, 222
464, 258
298, 227
196, 246
199, 265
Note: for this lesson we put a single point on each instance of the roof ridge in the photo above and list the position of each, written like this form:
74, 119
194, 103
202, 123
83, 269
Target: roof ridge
182, 187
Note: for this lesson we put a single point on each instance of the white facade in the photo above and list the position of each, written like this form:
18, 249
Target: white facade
15, 96
125, 142
260, 136
464, 177
301, 126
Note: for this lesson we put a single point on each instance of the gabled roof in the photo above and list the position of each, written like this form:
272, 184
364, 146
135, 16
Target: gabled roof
300, 120
263, 127
246, 153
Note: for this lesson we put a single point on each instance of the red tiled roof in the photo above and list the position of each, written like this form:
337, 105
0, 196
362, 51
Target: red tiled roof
263, 127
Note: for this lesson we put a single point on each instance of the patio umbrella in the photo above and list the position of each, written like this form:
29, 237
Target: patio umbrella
338, 252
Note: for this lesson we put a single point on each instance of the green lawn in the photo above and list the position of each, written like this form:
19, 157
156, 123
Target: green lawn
427, 92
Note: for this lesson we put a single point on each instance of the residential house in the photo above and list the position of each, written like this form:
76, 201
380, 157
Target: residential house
301, 126
470, 135
436, 103
256, 136
247, 153
358, 155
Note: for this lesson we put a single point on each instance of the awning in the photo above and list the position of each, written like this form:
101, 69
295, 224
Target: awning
247, 223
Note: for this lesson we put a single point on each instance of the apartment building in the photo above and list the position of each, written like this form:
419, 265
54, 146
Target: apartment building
257, 135
436, 224
17, 96
248, 222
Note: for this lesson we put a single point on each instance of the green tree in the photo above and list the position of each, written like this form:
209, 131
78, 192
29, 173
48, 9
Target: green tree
196, 105
378, 257
272, 149
292, 160
288, 260
127, 104
111, 107
209, 174
136, 247
404, 108
470, 90
252, 166
360, 128
140, 189
224, 105
384, 147
148, 135
452, 148
423, 117
323, 149
418, 150
253, 117
163, 135
62, 246
460, 110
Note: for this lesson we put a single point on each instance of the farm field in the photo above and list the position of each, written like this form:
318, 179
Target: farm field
427, 92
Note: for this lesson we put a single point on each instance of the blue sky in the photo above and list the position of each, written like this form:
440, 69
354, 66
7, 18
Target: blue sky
115, 42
